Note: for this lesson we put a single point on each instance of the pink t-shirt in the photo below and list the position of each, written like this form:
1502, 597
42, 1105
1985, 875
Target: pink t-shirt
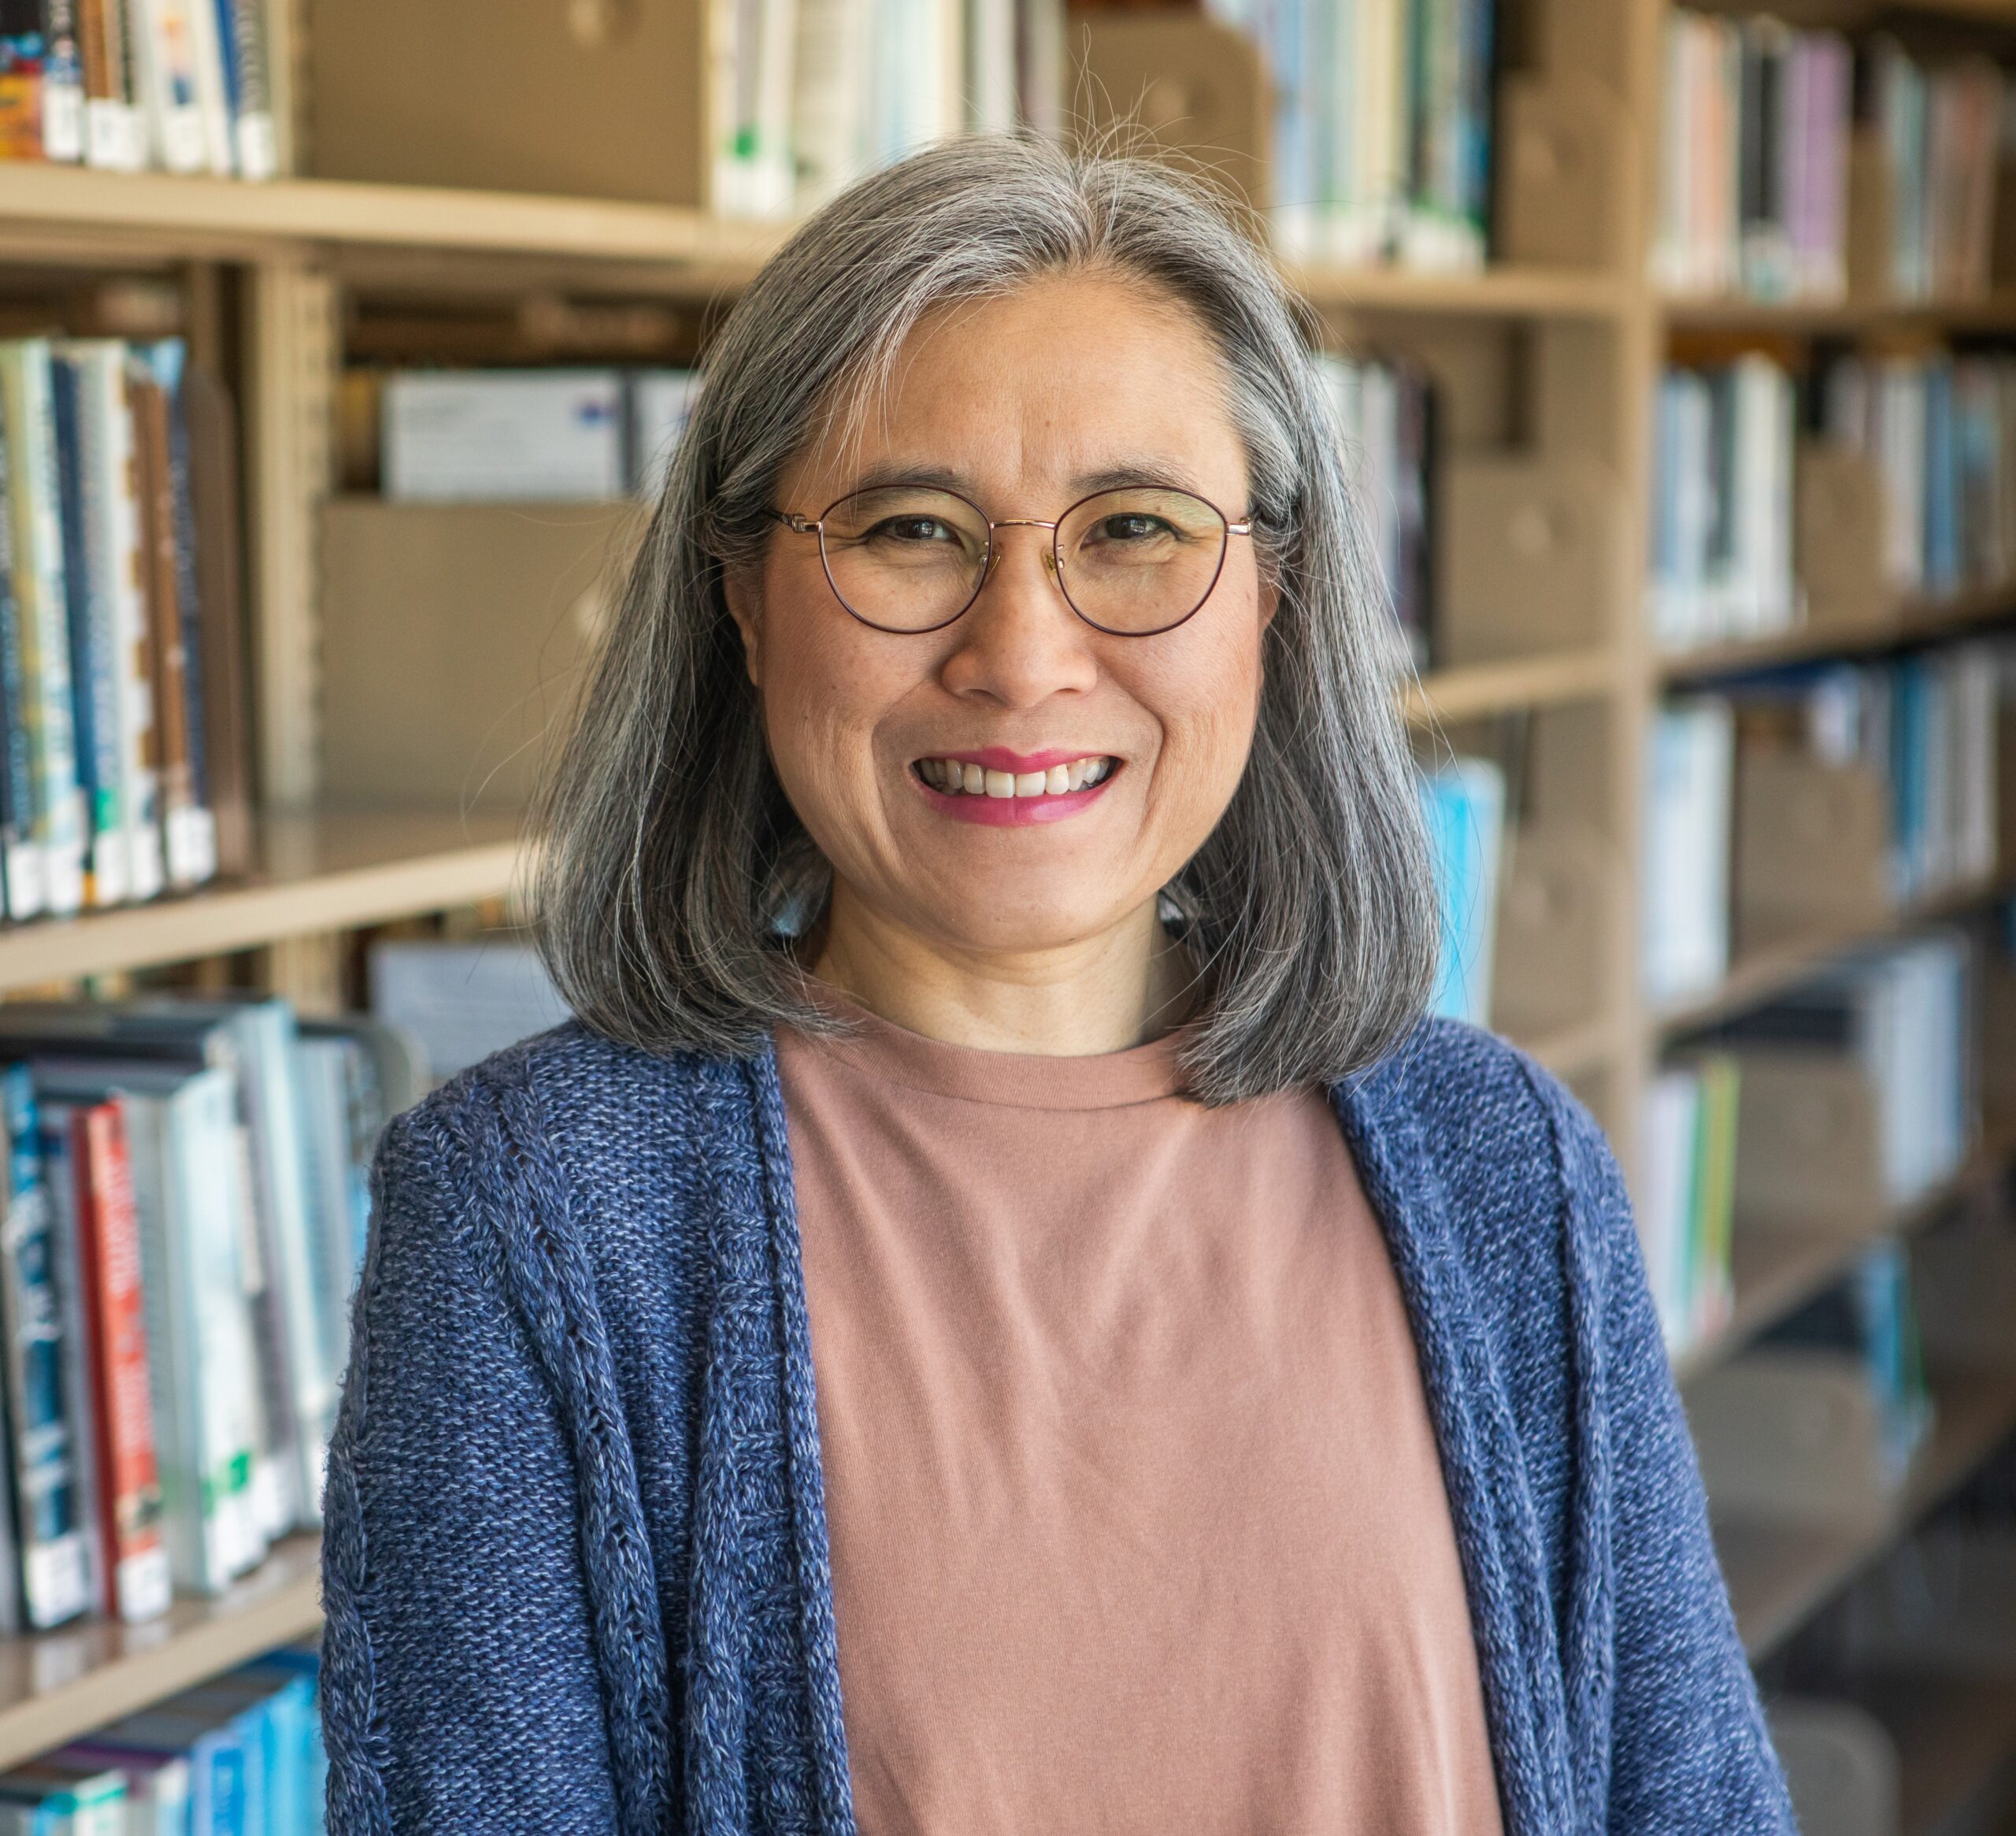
1136, 1517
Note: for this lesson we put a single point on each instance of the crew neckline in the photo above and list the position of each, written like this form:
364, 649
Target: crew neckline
879, 1048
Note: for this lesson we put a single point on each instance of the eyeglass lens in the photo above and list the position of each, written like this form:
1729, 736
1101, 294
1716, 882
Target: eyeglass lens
1134, 562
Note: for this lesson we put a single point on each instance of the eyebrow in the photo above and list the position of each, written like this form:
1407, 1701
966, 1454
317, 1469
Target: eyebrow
1122, 477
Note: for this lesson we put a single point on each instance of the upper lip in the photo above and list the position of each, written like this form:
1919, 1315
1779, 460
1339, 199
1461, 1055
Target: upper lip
1001, 758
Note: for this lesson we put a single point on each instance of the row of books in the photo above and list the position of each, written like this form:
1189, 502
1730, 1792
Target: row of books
1387, 412
1753, 159
806, 95
1940, 431
184, 86
1901, 1015
1924, 726
123, 750
1755, 192
186, 1209
241, 1755
1721, 562
1381, 142
554, 436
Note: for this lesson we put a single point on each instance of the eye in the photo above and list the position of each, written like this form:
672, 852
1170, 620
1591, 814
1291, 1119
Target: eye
914, 530
1125, 527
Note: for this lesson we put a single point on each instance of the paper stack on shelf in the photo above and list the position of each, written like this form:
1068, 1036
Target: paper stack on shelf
1686, 1198
1722, 506
545, 436
186, 1216
1387, 413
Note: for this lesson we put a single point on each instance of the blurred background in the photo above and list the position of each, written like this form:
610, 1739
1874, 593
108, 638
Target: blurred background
1674, 356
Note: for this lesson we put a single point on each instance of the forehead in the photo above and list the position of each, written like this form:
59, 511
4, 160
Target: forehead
1069, 375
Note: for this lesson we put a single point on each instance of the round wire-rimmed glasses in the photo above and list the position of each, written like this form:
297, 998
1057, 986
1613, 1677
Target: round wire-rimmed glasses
1131, 562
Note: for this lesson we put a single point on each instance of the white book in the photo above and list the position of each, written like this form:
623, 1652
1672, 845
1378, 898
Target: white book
1683, 946
164, 39
1366, 229
212, 90
1672, 1102
660, 403
828, 84
555, 436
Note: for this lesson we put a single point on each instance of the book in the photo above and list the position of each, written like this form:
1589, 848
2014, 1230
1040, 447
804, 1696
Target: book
22, 880
1464, 801
211, 434
62, 83
93, 554
163, 35
49, 1797
1686, 1192
20, 80
1683, 907
110, 128
135, 1583
241, 30
49, 1533
28, 408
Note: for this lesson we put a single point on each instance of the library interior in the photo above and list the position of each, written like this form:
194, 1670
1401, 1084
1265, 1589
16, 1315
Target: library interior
342, 345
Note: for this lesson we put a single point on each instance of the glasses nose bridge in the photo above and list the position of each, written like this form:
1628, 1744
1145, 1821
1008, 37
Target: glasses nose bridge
1048, 548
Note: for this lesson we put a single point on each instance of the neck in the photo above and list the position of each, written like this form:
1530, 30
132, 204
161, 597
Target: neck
1127, 986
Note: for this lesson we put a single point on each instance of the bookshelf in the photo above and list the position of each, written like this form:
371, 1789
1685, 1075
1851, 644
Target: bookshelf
1550, 357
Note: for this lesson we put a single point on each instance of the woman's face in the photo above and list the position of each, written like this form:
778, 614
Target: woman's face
1023, 405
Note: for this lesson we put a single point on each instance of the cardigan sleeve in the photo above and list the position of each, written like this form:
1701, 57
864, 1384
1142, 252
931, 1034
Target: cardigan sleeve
1689, 1749
459, 1687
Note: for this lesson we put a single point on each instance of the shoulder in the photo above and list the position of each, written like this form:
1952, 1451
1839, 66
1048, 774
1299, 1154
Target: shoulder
1477, 1115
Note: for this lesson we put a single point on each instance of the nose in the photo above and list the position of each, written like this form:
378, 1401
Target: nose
1020, 642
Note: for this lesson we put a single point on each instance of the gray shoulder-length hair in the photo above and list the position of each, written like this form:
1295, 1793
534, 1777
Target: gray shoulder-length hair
670, 861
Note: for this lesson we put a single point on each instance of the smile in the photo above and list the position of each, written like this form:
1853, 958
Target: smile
1004, 789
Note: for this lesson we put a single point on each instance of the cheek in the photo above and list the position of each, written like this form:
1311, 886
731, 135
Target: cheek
1204, 689
825, 693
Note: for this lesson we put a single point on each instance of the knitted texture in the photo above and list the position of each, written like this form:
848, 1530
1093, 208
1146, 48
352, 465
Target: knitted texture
575, 1565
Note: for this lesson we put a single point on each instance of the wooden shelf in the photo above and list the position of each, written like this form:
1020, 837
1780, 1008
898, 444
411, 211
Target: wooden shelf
1760, 974
1916, 622
321, 872
1989, 312
1446, 696
1777, 1271
1779, 1573
1575, 1049
1504, 291
56, 1686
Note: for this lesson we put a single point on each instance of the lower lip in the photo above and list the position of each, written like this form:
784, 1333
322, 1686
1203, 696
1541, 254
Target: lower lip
1012, 812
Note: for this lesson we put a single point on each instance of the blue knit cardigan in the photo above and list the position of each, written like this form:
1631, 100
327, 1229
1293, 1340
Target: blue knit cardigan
576, 1565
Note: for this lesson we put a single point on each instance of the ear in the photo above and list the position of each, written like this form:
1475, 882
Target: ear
739, 588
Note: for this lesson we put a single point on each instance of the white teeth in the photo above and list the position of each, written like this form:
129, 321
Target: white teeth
956, 778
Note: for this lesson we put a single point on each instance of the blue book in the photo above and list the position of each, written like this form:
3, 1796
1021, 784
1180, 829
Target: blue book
1464, 803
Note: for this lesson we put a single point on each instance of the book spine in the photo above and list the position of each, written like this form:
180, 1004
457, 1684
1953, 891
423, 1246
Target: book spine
21, 855
55, 1571
129, 1476
212, 92
164, 617
25, 381
192, 848
126, 639
244, 23
167, 41
82, 411
62, 83
104, 138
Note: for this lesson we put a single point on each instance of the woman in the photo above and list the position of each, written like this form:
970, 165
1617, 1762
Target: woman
1001, 1316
